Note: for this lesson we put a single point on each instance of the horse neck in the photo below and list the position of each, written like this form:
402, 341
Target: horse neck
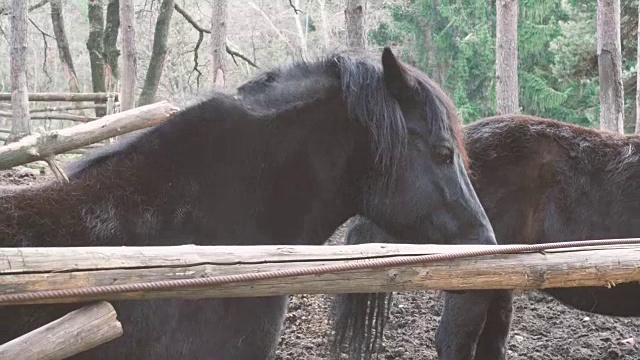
156, 191
313, 180
274, 181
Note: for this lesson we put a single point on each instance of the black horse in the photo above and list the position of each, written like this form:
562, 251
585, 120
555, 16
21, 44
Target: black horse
345, 136
539, 181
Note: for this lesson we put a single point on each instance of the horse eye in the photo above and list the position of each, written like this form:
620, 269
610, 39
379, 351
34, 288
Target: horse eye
444, 155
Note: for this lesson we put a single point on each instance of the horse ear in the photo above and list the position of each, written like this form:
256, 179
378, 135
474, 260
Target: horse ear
395, 77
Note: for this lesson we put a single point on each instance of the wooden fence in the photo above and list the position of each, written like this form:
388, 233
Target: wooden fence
54, 271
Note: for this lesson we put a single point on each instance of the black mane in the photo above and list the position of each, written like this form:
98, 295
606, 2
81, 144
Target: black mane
361, 83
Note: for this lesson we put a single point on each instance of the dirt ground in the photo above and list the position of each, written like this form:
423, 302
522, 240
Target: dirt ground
543, 329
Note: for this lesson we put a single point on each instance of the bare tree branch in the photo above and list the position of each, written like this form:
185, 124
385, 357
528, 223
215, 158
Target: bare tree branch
5, 9
203, 31
295, 9
273, 26
38, 5
195, 58
46, 48
190, 20
234, 53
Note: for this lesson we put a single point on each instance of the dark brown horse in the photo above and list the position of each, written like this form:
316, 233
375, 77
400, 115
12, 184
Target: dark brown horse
539, 181
345, 136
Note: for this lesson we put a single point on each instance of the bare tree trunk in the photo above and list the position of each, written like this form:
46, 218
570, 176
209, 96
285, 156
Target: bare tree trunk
95, 47
218, 39
610, 66
110, 39
66, 60
129, 64
325, 29
436, 69
19, 93
158, 55
507, 57
638, 78
301, 33
355, 27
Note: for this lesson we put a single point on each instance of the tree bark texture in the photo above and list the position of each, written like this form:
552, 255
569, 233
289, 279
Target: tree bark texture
638, 78
218, 41
302, 35
66, 60
355, 25
129, 63
158, 54
436, 67
507, 57
325, 28
19, 93
610, 66
110, 39
96, 48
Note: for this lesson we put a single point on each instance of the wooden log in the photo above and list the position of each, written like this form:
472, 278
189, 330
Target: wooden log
68, 107
51, 116
71, 97
34, 269
78, 331
63, 116
40, 146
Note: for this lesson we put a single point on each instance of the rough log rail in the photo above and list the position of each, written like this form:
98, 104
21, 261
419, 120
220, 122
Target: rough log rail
52, 116
37, 269
78, 331
71, 97
42, 146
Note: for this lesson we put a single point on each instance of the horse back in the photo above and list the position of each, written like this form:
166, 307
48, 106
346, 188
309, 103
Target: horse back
545, 181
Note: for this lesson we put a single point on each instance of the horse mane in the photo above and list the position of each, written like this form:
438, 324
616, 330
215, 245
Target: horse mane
360, 319
361, 83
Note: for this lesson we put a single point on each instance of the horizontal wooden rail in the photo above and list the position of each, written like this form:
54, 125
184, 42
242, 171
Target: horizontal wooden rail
62, 96
37, 269
52, 116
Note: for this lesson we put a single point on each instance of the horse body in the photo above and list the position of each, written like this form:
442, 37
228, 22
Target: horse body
150, 192
543, 181
222, 173
539, 181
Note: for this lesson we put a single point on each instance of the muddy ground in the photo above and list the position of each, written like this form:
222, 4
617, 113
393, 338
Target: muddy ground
543, 329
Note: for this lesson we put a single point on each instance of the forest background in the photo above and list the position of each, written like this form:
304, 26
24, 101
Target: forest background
452, 40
